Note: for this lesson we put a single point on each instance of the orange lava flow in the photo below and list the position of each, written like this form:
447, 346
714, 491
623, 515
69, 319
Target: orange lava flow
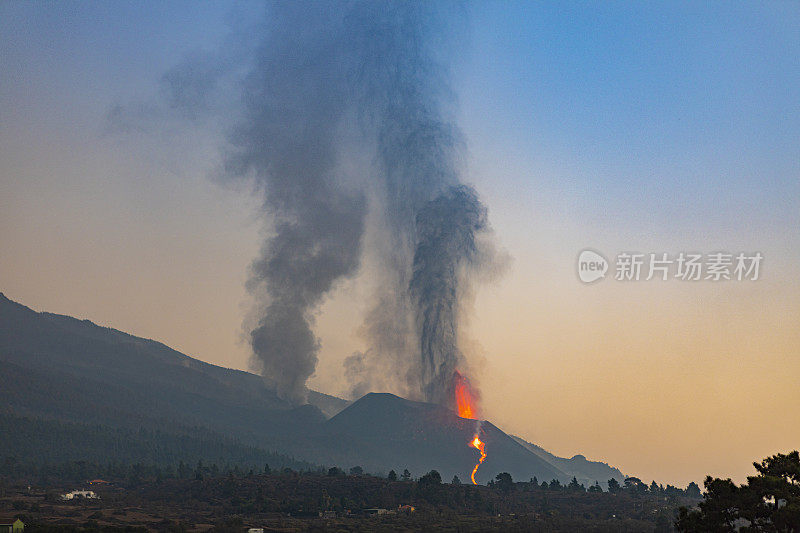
479, 445
465, 399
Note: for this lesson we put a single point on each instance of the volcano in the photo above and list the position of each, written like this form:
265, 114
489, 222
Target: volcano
57, 370
382, 431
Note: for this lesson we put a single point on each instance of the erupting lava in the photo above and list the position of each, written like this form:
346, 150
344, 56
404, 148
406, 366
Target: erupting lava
479, 445
465, 399
466, 402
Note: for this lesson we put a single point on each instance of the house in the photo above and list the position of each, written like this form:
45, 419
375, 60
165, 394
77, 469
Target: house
76, 494
372, 512
9, 526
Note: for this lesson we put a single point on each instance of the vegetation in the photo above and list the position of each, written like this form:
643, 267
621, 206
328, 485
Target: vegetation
35, 447
769, 501
231, 497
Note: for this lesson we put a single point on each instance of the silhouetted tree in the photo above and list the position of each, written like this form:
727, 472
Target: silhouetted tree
455, 481
769, 501
431, 478
634, 485
504, 482
575, 486
392, 475
692, 490
613, 485
406, 475
356, 471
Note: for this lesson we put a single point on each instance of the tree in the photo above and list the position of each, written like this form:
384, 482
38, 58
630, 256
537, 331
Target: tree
455, 481
431, 478
692, 490
406, 475
392, 475
717, 513
769, 501
183, 470
575, 486
613, 485
504, 482
596, 487
634, 485
356, 471
654, 487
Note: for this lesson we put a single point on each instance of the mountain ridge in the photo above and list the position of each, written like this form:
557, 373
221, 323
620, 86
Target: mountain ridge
59, 368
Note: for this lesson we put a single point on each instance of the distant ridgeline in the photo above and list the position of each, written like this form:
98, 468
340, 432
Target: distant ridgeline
74, 391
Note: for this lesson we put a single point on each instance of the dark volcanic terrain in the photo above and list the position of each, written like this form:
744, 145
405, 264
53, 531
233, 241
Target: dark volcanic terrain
110, 396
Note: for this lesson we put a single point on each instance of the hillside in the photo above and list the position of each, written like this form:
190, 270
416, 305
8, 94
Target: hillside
585, 471
92, 384
71, 369
396, 433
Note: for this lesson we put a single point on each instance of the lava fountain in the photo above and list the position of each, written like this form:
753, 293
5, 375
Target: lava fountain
467, 406
466, 403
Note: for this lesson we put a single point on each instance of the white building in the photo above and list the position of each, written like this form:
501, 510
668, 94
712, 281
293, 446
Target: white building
88, 494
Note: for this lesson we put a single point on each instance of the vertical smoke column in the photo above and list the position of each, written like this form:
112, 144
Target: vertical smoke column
446, 250
294, 98
405, 92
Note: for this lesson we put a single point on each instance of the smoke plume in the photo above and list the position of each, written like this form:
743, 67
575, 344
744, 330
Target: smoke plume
295, 98
446, 246
321, 78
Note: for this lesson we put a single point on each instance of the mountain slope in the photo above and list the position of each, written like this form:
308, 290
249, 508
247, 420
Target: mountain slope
56, 369
382, 431
585, 471
74, 370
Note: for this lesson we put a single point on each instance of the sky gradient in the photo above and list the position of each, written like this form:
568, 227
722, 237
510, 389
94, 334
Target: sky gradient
613, 126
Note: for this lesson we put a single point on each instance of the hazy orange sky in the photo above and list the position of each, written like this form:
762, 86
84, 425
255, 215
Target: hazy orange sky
686, 141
